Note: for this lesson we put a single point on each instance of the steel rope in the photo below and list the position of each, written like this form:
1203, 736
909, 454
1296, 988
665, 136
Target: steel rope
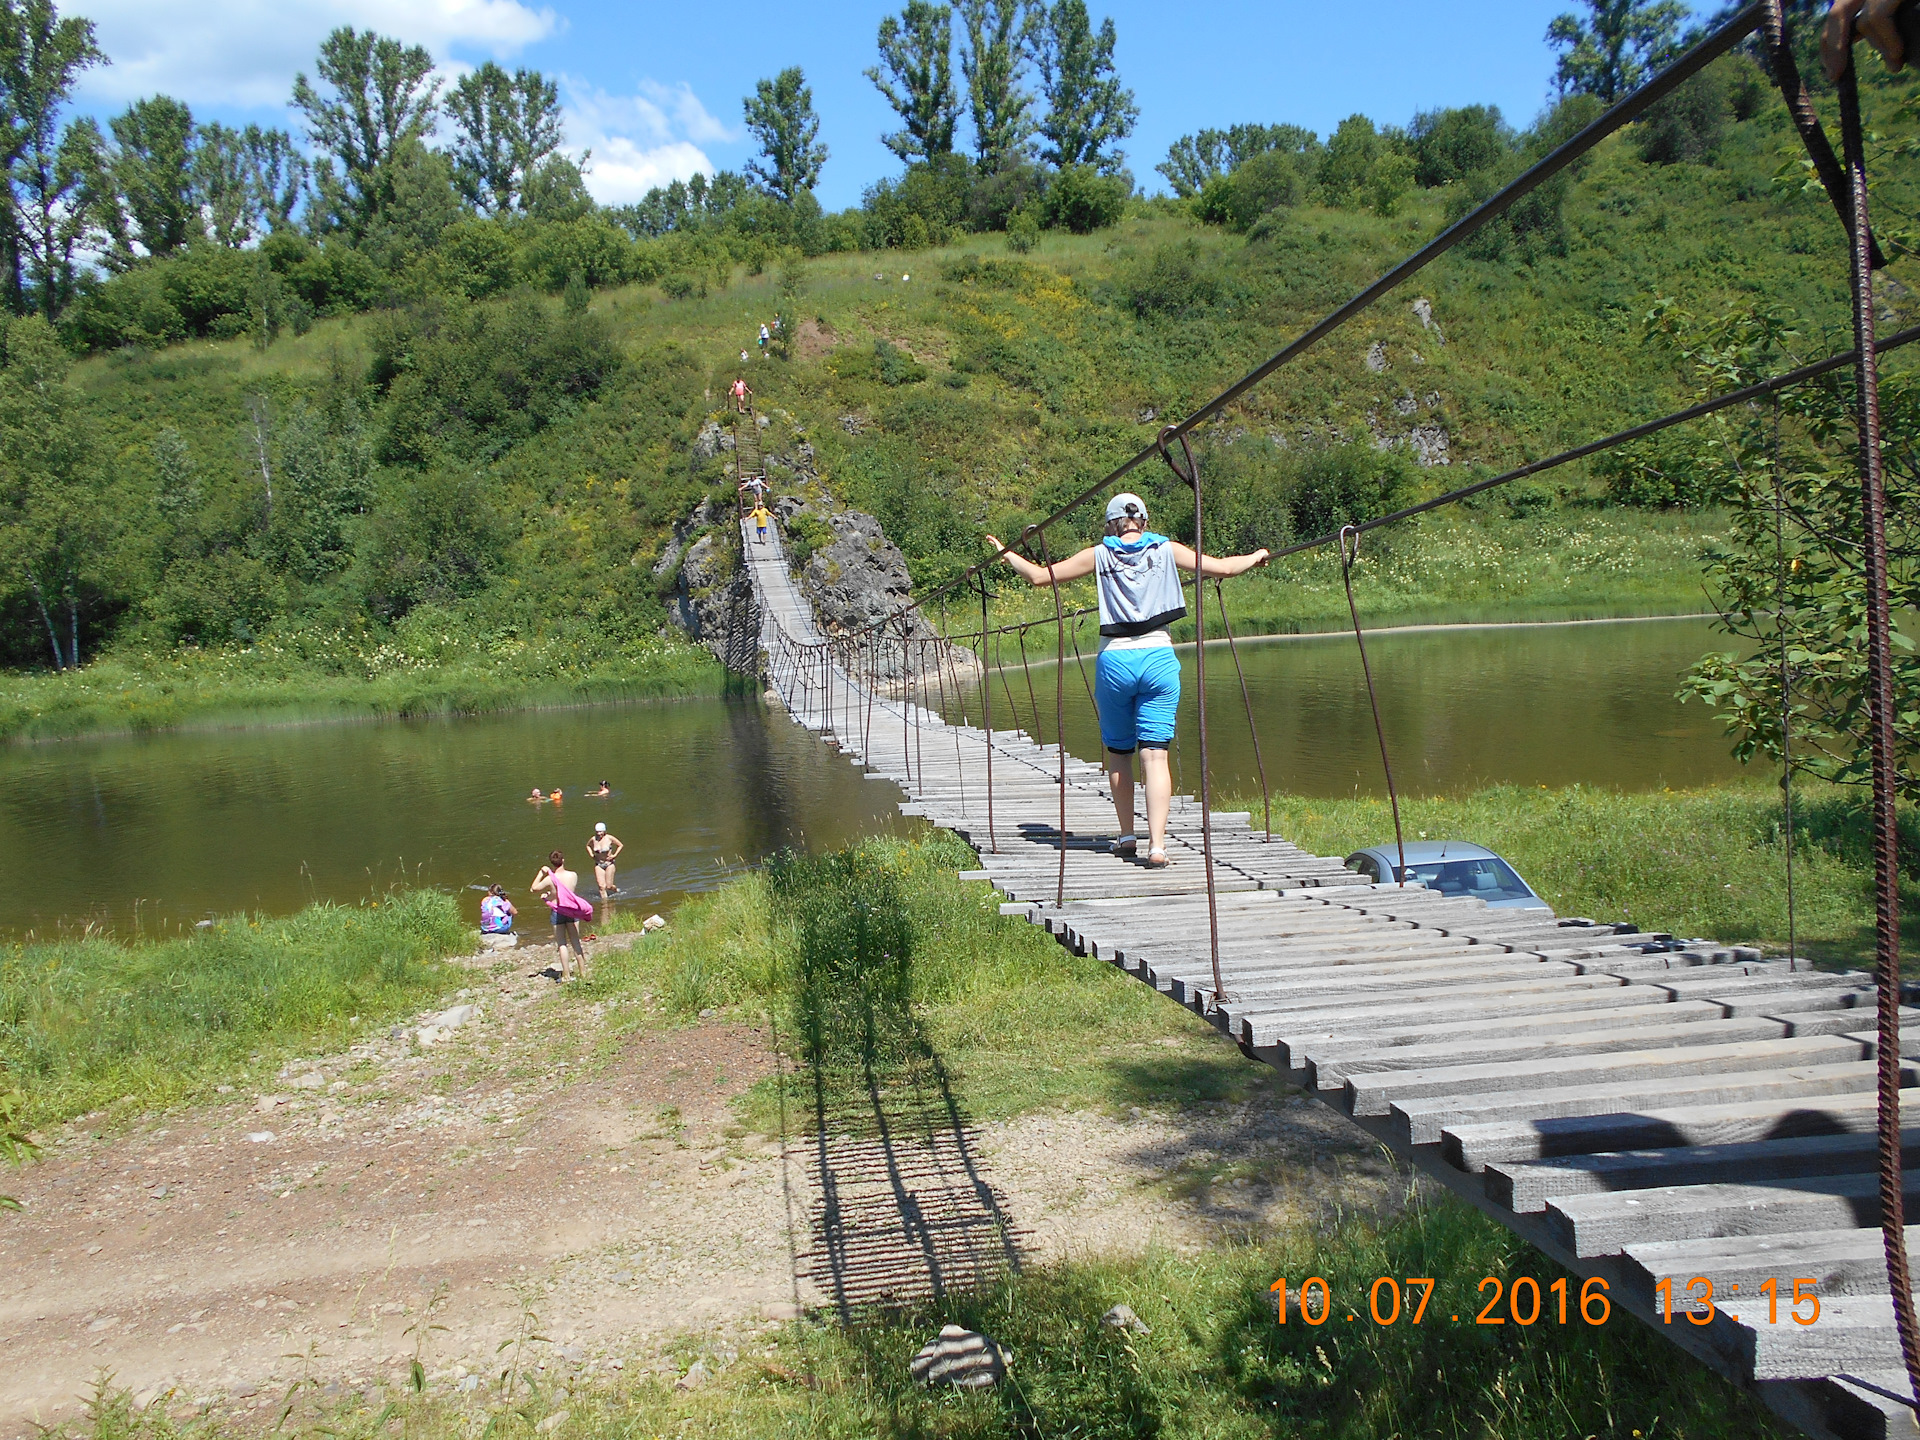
1191, 476
1347, 559
1266, 799
1059, 712
1880, 722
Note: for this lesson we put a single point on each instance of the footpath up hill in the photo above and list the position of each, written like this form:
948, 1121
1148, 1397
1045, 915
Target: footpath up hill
470, 501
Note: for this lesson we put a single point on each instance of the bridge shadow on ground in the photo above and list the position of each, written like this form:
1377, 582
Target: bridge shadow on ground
903, 1208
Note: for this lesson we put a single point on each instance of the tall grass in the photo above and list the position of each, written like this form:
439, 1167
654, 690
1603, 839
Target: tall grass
96, 1024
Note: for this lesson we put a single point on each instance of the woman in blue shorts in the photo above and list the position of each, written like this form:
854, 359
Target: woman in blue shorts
1137, 687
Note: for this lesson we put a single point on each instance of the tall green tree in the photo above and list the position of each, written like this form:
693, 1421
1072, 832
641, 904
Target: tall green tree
991, 60
1617, 45
780, 115
41, 54
1088, 110
915, 73
381, 98
505, 128
222, 188
278, 173
151, 165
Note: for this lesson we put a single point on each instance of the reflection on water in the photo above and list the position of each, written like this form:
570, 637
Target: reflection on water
1462, 709
169, 828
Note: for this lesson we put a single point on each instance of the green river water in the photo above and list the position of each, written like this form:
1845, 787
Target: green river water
154, 833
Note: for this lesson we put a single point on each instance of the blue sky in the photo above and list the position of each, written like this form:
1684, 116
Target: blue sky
654, 90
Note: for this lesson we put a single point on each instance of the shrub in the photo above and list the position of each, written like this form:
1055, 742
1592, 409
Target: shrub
1687, 126
1174, 279
1264, 183
995, 199
1345, 484
1449, 145
1023, 232
1082, 200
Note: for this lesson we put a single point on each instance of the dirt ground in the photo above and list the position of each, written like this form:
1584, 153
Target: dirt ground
540, 1169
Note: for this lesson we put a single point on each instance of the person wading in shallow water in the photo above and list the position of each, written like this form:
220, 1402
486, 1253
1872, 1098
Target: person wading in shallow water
1137, 675
568, 910
605, 848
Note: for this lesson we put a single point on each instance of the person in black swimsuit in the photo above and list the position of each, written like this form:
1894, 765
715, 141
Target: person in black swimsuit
604, 850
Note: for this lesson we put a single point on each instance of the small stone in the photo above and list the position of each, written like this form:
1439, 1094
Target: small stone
1121, 1317
469, 1384
266, 1104
260, 1137
245, 1392
552, 1423
708, 1013
696, 1376
571, 1353
962, 1358
1377, 356
105, 1322
93, 1249
312, 1080
223, 1089
654, 922
622, 1277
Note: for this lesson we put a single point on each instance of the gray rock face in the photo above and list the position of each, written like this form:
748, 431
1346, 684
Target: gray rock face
858, 581
1423, 312
712, 599
963, 1358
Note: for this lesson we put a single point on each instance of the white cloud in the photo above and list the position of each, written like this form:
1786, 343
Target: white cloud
244, 53
641, 140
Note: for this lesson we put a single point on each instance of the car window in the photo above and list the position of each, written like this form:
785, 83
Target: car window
1364, 864
1491, 879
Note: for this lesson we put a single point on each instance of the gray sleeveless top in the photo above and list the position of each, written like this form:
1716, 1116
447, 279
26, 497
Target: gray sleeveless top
1139, 585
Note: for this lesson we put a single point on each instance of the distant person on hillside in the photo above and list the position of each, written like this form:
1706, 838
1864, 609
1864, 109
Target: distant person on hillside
760, 519
1869, 20
496, 912
745, 358
568, 910
605, 848
763, 342
1137, 674
740, 392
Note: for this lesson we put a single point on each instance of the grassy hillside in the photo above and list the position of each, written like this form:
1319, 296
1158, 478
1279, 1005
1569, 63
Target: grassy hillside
473, 494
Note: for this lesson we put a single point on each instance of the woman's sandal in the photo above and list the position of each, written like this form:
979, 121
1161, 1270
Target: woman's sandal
1157, 860
1126, 847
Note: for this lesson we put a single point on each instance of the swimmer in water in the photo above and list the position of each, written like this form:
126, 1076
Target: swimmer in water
538, 797
605, 789
556, 797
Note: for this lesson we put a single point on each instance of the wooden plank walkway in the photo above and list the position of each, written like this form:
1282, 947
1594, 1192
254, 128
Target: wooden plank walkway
1640, 1107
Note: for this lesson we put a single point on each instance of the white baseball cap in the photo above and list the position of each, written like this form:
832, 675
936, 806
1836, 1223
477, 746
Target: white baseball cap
1126, 506
600, 828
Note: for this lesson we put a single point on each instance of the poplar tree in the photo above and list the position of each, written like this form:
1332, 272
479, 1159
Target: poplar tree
1616, 47
780, 115
990, 60
915, 73
505, 128
47, 168
1088, 110
383, 101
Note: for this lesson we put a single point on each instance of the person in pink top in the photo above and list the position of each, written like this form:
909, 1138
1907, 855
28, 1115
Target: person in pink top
559, 884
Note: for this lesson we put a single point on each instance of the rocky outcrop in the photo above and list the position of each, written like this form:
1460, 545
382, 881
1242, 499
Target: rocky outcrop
711, 598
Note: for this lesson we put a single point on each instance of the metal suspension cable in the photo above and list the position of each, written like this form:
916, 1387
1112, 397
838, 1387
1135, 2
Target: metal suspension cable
1347, 559
1880, 743
986, 715
1786, 680
1059, 712
1246, 698
1191, 476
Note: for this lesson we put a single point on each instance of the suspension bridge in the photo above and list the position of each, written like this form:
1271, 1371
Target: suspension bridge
1708, 1138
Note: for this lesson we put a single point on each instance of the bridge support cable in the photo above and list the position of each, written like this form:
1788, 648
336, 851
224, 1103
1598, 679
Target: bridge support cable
1880, 728
1190, 476
1059, 711
1246, 699
1349, 554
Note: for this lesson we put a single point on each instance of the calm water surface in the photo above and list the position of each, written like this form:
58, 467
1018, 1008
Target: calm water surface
162, 831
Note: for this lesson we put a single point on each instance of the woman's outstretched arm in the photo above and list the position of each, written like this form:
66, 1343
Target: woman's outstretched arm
1074, 567
1223, 566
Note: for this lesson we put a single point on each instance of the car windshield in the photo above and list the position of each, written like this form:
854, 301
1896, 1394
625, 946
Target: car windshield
1490, 879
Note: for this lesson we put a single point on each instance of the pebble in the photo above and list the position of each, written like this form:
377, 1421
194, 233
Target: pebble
260, 1137
1121, 1317
696, 1376
552, 1423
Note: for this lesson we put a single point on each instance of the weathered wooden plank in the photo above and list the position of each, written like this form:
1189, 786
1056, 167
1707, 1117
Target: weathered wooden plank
1473, 1147
1606, 1224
